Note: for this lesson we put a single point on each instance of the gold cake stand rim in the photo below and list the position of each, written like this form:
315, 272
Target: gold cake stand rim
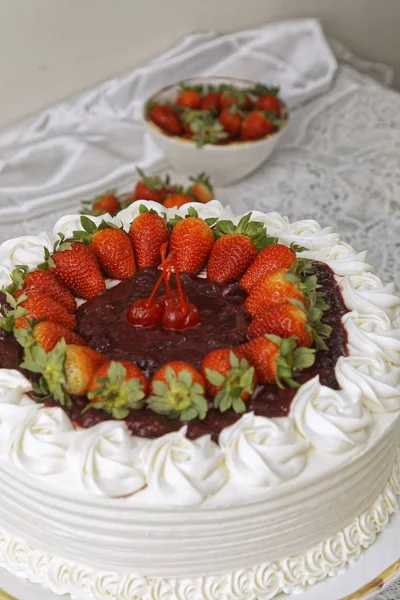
366, 590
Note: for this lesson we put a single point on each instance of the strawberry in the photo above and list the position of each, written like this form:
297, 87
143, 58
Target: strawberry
150, 188
191, 243
39, 306
117, 387
235, 249
293, 319
77, 267
201, 188
65, 370
230, 257
231, 121
230, 379
177, 390
41, 281
111, 246
231, 96
166, 118
177, 200
148, 232
269, 103
189, 98
106, 203
255, 126
80, 365
211, 101
285, 320
274, 288
271, 258
46, 334
276, 360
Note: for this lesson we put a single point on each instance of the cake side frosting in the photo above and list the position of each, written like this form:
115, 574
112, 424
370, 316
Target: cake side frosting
106, 460
265, 581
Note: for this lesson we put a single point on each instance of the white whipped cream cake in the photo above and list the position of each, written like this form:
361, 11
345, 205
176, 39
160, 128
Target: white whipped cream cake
268, 495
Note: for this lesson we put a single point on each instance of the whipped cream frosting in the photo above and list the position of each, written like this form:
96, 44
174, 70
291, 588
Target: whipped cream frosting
106, 460
26, 250
341, 258
372, 334
182, 471
263, 452
36, 438
365, 292
13, 387
331, 421
290, 575
375, 380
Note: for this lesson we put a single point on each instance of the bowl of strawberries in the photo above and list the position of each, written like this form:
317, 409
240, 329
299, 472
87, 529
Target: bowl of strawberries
227, 127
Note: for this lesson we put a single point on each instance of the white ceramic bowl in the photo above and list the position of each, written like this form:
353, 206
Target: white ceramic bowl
225, 164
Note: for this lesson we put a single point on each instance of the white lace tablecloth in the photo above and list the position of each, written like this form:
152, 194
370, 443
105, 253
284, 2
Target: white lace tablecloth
339, 164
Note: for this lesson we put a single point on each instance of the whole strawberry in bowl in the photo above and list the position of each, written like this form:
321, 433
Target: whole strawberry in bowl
225, 126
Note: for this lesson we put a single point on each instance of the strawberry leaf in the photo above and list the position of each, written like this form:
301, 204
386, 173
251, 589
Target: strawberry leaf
88, 225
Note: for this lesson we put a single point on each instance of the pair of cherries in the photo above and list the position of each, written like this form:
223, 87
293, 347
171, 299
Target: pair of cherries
172, 311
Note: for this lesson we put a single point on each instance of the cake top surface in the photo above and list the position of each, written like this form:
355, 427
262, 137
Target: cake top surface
257, 453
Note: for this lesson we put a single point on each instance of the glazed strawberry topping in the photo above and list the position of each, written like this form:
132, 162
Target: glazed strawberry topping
179, 347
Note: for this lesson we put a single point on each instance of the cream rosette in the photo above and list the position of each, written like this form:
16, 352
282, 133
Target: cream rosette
104, 460
125, 217
365, 292
341, 258
309, 234
14, 387
26, 250
372, 334
376, 380
329, 420
181, 471
36, 438
263, 452
70, 223
273, 221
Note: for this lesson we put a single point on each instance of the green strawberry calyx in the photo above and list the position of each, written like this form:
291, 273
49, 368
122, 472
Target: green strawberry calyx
117, 396
192, 212
291, 360
205, 126
153, 182
51, 368
232, 92
16, 311
186, 87
18, 278
61, 245
88, 206
179, 397
319, 331
203, 179
302, 274
264, 90
255, 230
85, 235
237, 381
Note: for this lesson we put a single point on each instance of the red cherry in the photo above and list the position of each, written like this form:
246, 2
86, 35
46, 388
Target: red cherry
174, 317
145, 314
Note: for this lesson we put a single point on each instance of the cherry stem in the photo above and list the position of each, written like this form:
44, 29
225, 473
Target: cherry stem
163, 252
153, 293
184, 305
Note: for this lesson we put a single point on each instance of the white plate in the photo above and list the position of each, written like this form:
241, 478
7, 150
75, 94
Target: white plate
376, 569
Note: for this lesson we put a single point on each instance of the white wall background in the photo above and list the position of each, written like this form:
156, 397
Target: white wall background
51, 49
